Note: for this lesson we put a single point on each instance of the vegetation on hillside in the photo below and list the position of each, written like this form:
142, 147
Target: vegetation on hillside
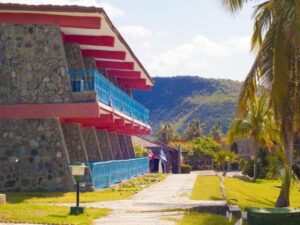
182, 99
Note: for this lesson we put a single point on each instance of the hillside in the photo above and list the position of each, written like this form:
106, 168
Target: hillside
181, 99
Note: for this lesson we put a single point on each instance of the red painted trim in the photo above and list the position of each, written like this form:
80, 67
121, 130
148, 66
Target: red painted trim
104, 54
103, 119
119, 122
108, 41
62, 21
138, 87
114, 65
41, 111
124, 73
134, 83
129, 82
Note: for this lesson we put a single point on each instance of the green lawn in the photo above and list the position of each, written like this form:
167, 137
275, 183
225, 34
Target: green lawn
31, 207
207, 188
261, 193
26, 213
119, 192
195, 218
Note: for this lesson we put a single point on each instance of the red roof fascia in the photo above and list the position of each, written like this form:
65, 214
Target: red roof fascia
114, 65
107, 41
104, 54
87, 22
124, 73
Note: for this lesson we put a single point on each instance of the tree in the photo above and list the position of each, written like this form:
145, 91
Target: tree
216, 133
276, 37
193, 130
166, 133
258, 125
224, 158
204, 146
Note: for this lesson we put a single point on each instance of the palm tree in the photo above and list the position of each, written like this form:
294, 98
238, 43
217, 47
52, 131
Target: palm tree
258, 126
195, 129
224, 157
166, 133
276, 36
216, 133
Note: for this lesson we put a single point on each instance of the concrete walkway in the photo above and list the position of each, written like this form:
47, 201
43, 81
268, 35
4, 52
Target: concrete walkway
151, 205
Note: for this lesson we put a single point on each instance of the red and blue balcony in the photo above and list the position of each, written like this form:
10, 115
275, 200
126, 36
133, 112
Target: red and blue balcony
108, 93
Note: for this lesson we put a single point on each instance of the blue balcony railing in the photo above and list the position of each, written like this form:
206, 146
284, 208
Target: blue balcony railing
108, 93
107, 173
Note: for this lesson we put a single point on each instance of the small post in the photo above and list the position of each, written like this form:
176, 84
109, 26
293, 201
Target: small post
77, 194
77, 170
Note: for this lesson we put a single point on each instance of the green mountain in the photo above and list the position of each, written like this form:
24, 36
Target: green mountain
181, 99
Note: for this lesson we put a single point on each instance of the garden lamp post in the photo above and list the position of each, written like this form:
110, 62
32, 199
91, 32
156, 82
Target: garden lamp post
77, 170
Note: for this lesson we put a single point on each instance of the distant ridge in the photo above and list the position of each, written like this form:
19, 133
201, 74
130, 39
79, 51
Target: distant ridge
181, 99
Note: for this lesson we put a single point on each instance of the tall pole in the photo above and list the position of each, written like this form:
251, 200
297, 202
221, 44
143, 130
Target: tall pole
77, 194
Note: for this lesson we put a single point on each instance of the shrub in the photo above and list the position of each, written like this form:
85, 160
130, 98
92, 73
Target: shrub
185, 168
268, 165
246, 166
140, 151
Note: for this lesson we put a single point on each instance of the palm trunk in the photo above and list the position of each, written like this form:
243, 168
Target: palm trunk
289, 143
253, 153
223, 168
283, 199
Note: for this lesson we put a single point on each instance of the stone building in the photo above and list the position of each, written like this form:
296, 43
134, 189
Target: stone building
66, 76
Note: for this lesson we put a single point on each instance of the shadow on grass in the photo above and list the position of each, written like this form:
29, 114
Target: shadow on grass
215, 198
21, 197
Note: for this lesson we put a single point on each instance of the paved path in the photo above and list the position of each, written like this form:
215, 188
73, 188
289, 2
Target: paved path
149, 206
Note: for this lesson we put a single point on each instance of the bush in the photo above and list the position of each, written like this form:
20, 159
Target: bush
185, 168
246, 166
268, 165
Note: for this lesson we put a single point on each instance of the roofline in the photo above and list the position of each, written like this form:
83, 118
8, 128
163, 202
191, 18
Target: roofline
158, 143
78, 9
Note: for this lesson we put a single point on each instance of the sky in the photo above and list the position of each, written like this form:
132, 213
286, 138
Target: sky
180, 37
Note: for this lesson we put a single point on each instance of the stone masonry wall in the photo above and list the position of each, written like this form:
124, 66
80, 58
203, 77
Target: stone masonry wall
33, 156
75, 143
74, 57
104, 143
123, 146
115, 146
89, 64
33, 68
91, 144
130, 146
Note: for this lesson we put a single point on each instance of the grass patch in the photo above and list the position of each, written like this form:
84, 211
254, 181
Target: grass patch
118, 192
206, 188
169, 219
261, 193
25, 213
196, 218
31, 207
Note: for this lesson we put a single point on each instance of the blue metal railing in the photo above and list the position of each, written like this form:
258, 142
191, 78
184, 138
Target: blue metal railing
111, 172
108, 93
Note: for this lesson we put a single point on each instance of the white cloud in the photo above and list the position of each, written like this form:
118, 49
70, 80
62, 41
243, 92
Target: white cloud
239, 43
111, 10
196, 56
135, 31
